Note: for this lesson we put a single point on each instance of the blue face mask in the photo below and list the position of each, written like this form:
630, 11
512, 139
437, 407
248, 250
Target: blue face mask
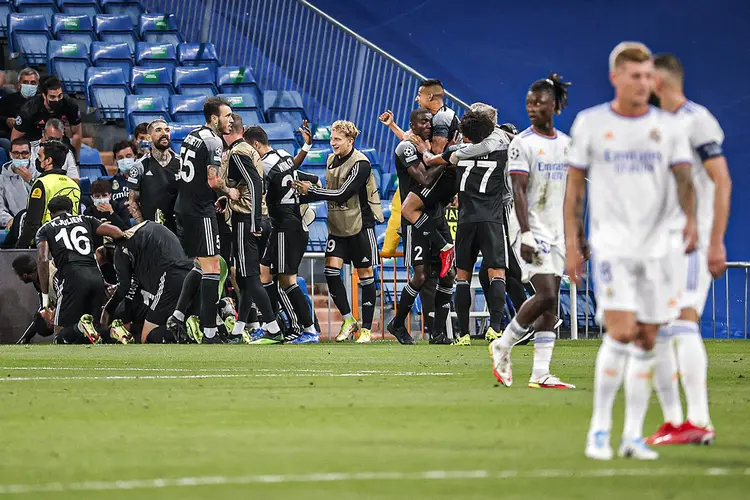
100, 201
144, 145
28, 90
125, 164
20, 163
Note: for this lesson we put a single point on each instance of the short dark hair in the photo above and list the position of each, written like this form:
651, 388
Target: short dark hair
24, 264
416, 113
100, 186
670, 64
476, 126
60, 204
257, 134
555, 85
55, 150
141, 128
431, 82
125, 144
237, 125
212, 107
20, 141
49, 82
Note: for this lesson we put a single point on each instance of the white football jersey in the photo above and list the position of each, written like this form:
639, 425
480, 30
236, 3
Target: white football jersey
544, 160
629, 162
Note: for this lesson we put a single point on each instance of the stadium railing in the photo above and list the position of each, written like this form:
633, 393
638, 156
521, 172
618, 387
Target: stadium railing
293, 45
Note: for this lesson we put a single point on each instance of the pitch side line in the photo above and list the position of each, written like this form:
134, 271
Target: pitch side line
228, 375
21, 489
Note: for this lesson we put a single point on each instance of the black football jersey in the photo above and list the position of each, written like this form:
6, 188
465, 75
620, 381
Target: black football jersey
481, 187
406, 156
70, 239
200, 149
281, 197
445, 123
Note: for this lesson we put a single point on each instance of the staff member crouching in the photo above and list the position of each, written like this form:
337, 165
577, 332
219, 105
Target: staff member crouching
353, 211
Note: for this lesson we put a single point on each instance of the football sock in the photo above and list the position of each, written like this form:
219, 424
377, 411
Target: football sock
637, 390
272, 292
496, 303
608, 374
693, 365
544, 344
512, 334
463, 306
258, 296
239, 326
294, 297
337, 290
209, 297
189, 291
368, 301
443, 297
665, 377
246, 299
405, 303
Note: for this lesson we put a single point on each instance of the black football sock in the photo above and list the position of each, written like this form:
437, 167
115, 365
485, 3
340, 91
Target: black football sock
259, 297
209, 298
246, 299
368, 301
295, 298
337, 290
443, 296
160, 335
405, 303
272, 292
463, 306
189, 291
496, 303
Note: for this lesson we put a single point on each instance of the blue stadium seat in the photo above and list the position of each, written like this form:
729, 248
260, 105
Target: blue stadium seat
321, 210
284, 106
6, 7
116, 29
106, 89
194, 81
88, 8
281, 136
388, 189
317, 156
180, 130
155, 54
187, 108
112, 55
159, 28
322, 136
387, 206
92, 172
374, 158
152, 81
75, 28
245, 105
46, 8
237, 80
28, 35
69, 62
318, 236
141, 108
198, 54
89, 156
131, 8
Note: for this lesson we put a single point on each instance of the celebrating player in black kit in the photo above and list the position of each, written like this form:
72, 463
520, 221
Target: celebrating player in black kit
69, 239
288, 240
199, 182
420, 254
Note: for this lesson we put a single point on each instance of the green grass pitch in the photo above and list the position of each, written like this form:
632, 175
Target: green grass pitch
331, 422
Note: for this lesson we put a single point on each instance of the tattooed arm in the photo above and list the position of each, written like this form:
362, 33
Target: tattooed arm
686, 197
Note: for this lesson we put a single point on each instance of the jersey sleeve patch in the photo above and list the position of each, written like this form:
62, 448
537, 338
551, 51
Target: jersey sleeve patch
36, 193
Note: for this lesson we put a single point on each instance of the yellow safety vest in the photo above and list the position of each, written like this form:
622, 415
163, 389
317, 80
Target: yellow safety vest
57, 185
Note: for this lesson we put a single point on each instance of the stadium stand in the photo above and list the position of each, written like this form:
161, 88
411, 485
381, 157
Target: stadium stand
45, 8
237, 80
245, 105
152, 81
112, 55
140, 109
162, 55
198, 54
187, 108
111, 28
106, 89
130, 8
88, 8
197, 80
68, 61
28, 35
159, 28
73, 28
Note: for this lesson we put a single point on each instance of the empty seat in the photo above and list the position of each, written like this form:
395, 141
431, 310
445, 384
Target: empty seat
152, 81
89, 156
198, 54
237, 80
194, 81
76, 28
187, 108
28, 35
245, 105
159, 28
317, 157
5, 8
281, 136
111, 28
69, 62
284, 106
322, 135
88, 8
112, 55
318, 236
131, 8
106, 89
374, 158
46, 8
181, 130
141, 108
155, 54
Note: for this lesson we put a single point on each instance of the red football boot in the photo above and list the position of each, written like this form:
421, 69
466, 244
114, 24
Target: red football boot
447, 256
663, 435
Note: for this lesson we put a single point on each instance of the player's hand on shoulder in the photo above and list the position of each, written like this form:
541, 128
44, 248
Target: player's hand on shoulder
386, 118
305, 131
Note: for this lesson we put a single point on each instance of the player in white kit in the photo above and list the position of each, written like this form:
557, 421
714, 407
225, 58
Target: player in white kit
629, 151
693, 272
538, 169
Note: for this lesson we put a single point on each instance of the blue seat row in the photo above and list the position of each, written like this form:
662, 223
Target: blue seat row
280, 135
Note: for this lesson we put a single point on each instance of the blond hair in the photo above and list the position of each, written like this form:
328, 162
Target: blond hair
347, 128
480, 107
628, 51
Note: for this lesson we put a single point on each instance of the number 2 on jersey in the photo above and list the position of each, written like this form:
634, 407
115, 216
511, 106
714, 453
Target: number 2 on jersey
77, 241
187, 169
290, 197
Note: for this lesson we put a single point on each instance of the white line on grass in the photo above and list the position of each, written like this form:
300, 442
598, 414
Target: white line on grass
11, 489
228, 375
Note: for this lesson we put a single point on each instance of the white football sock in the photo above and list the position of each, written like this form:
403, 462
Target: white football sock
512, 334
637, 390
544, 343
272, 327
209, 332
238, 327
693, 365
665, 377
608, 374
179, 316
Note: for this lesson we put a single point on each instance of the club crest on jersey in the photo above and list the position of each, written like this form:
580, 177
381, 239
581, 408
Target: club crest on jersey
115, 185
655, 135
514, 153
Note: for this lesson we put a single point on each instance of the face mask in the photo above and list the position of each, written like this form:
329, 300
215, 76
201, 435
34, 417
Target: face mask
20, 163
39, 166
144, 145
101, 201
55, 106
28, 90
125, 164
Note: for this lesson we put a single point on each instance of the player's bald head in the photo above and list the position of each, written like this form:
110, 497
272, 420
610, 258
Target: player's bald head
670, 68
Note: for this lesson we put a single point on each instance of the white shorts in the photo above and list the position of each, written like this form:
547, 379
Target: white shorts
692, 277
550, 259
641, 285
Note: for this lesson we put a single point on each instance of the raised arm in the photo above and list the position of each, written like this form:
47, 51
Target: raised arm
388, 120
487, 146
307, 136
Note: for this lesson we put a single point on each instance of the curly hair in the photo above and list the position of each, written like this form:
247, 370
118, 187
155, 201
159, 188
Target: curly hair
553, 83
347, 128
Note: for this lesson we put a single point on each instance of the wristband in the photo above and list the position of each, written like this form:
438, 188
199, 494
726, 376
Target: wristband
528, 239
306, 147
45, 301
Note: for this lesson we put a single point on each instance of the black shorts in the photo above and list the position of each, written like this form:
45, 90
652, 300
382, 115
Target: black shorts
442, 190
418, 248
285, 250
163, 301
360, 250
487, 237
80, 290
200, 236
266, 230
246, 249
